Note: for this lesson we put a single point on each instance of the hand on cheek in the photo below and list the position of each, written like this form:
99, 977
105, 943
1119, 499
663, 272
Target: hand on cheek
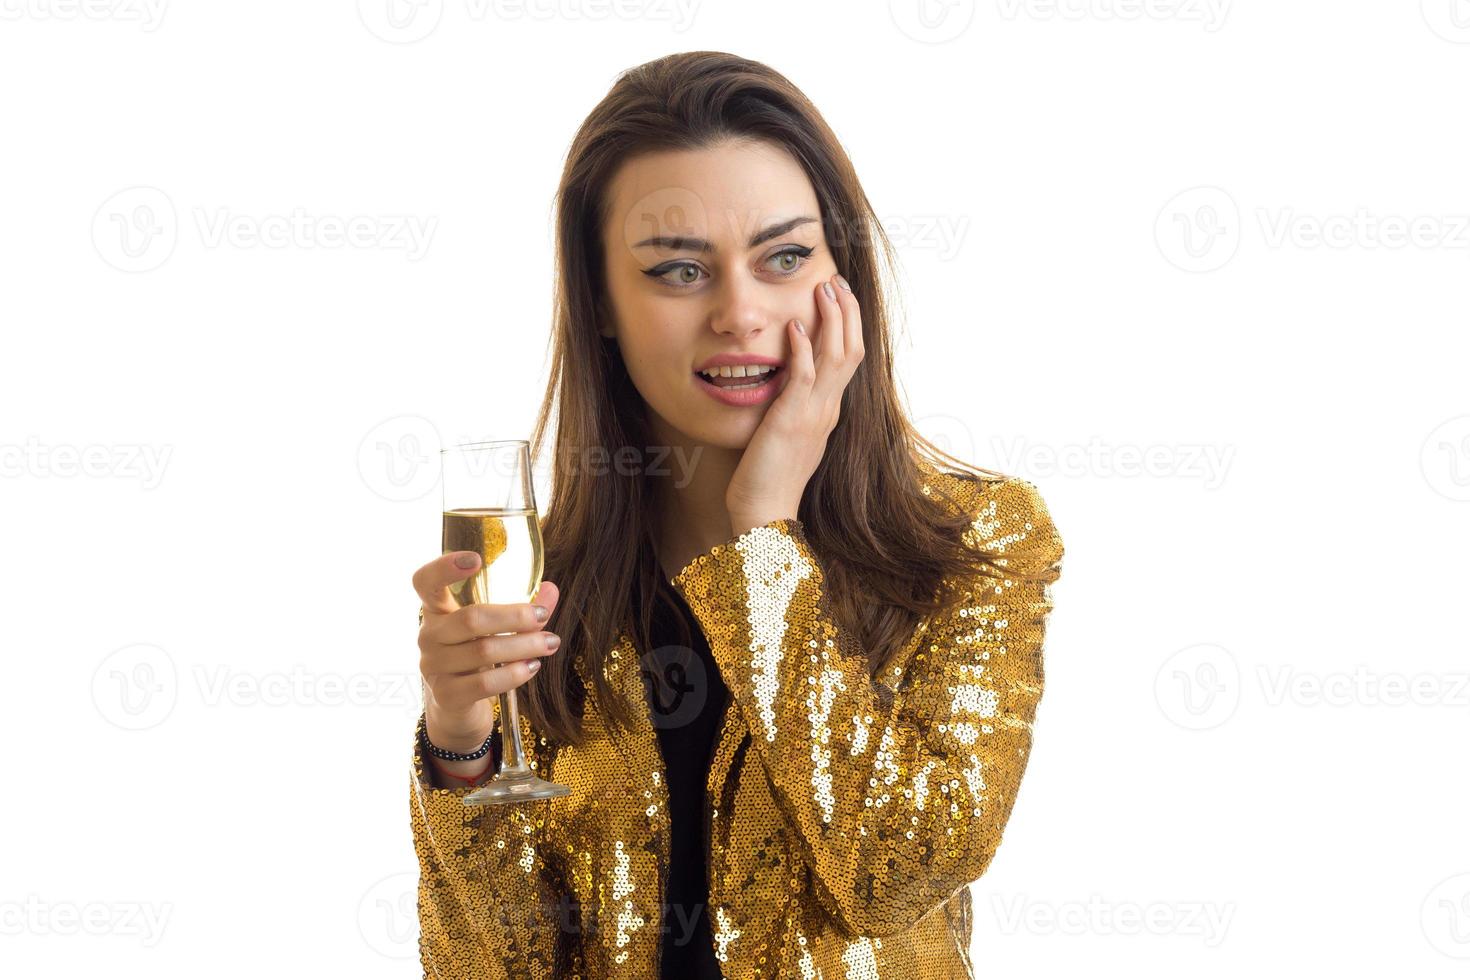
789, 443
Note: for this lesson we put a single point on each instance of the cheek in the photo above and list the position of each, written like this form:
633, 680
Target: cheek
656, 350
665, 330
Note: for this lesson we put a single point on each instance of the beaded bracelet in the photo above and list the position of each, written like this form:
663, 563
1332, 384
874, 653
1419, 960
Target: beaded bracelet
449, 756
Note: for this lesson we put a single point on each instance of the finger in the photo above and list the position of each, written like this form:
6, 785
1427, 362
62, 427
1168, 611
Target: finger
852, 324
457, 693
485, 651
829, 338
490, 618
433, 580
800, 369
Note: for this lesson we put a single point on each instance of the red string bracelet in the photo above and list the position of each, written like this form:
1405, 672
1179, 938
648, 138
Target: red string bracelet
470, 780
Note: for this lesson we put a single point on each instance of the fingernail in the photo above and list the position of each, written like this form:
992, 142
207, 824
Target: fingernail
553, 641
541, 613
843, 283
799, 328
467, 561
827, 288
533, 666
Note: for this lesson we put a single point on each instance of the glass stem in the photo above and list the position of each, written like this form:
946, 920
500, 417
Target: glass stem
512, 755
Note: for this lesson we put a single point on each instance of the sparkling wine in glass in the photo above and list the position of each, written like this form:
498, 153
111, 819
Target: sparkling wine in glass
490, 508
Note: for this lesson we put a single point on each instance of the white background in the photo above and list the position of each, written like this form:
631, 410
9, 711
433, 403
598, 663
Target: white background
1230, 240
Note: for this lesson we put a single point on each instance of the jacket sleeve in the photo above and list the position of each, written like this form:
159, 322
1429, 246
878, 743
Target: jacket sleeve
488, 904
896, 790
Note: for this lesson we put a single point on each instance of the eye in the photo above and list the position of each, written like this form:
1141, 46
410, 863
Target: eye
797, 254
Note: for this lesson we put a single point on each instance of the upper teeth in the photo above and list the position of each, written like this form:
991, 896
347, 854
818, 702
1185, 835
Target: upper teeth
738, 371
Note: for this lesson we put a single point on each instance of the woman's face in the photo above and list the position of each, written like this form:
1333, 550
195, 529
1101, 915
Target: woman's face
709, 252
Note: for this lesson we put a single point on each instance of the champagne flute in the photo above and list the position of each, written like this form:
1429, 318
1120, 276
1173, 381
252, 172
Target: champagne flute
490, 508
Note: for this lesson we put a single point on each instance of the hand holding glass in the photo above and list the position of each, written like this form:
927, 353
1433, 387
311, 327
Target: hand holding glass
490, 509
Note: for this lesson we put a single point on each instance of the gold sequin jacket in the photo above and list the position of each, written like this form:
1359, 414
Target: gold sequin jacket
845, 815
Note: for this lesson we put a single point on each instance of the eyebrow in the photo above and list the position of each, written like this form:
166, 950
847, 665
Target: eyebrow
683, 243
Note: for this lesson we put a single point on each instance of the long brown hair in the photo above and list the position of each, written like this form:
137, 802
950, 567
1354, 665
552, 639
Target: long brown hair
886, 548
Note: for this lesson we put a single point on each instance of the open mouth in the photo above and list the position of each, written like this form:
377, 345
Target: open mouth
739, 384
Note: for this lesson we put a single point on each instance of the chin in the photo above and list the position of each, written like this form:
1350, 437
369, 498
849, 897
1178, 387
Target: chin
731, 434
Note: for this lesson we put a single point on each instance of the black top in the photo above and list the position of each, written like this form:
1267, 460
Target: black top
687, 700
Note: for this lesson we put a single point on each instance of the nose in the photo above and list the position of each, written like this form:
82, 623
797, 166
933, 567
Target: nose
740, 311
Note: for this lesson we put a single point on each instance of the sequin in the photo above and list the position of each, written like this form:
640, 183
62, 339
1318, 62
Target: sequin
847, 815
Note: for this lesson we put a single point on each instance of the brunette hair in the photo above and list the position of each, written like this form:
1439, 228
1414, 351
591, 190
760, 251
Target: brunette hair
886, 547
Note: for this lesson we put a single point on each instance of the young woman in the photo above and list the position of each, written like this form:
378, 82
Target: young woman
856, 626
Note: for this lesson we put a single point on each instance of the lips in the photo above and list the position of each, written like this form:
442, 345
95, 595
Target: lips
742, 395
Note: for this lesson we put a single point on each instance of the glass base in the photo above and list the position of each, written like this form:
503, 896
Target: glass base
512, 787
